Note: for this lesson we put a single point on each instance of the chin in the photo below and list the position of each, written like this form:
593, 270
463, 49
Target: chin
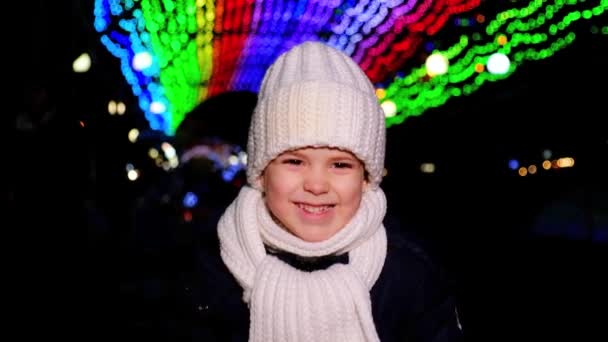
318, 237
313, 239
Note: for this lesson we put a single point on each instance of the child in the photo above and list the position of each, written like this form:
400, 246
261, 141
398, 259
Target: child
304, 252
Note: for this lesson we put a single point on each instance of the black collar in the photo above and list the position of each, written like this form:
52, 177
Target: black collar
308, 264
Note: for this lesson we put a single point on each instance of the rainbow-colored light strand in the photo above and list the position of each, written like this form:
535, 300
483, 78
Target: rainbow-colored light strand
200, 48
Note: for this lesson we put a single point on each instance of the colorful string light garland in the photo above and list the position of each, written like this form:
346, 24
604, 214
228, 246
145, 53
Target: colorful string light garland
176, 53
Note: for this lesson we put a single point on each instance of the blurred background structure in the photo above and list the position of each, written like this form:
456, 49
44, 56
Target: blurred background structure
130, 121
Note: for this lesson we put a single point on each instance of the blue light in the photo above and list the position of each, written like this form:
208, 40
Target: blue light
513, 164
190, 200
229, 173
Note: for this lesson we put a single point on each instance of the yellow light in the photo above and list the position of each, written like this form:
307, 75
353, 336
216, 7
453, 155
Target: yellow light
532, 169
547, 164
133, 135
427, 167
153, 153
82, 63
121, 108
112, 107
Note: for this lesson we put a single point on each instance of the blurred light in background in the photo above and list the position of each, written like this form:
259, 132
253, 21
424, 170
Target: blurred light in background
190, 200
121, 108
142, 60
498, 63
187, 216
116, 107
157, 107
133, 175
132, 172
112, 107
522, 171
82, 63
565, 162
547, 164
389, 107
243, 158
436, 64
133, 134
153, 153
427, 167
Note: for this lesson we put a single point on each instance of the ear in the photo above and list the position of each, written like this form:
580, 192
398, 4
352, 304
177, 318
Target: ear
259, 182
366, 185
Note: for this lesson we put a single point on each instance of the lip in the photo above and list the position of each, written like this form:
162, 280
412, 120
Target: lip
315, 204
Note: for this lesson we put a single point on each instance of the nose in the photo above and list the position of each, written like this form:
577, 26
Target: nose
316, 182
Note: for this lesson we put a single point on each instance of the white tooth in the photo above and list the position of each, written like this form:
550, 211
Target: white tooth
314, 209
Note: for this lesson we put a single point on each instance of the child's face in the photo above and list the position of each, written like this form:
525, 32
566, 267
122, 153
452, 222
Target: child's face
314, 192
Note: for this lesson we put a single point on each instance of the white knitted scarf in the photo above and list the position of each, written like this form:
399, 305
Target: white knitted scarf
287, 304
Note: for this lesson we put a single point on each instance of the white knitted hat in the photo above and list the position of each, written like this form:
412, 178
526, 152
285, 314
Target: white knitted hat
312, 96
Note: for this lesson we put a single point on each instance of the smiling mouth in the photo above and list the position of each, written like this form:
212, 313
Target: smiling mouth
315, 209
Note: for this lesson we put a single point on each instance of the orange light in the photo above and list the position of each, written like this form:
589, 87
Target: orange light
565, 162
522, 171
502, 39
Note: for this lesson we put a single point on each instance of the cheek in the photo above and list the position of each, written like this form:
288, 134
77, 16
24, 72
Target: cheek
352, 193
273, 187
274, 196
276, 192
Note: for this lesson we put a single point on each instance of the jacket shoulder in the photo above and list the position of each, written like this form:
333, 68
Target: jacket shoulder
406, 248
414, 292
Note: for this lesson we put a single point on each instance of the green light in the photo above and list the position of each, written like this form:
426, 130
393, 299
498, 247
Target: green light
536, 33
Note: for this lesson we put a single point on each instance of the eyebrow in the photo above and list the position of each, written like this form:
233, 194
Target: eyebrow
349, 159
291, 153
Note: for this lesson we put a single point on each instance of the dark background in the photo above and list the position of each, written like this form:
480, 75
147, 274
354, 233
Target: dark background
526, 255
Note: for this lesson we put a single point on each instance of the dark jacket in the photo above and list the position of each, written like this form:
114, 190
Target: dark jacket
411, 300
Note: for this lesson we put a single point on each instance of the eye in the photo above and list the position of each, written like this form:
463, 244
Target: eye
343, 165
292, 161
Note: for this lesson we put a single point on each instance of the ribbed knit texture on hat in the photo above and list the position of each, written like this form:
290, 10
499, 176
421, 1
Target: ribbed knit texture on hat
315, 96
